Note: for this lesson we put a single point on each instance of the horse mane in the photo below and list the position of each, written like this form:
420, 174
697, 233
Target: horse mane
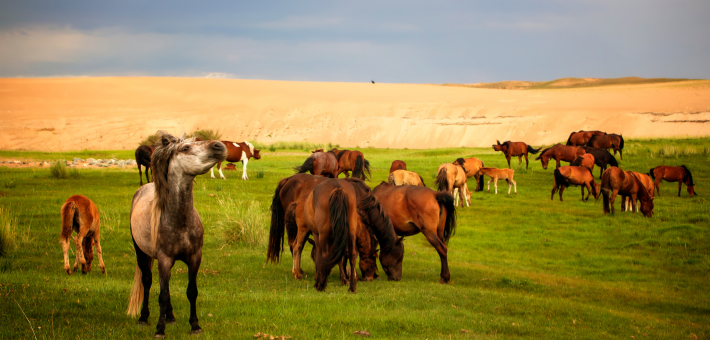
379, 222
507, 144
251, 147
569, 139
650, 173
421, 179
592, 139
459, 161
339, 154
690, 176
542, 153
160, 163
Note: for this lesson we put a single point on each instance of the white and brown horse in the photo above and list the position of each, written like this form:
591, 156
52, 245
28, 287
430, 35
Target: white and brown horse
80, 215
238, 152
166, 226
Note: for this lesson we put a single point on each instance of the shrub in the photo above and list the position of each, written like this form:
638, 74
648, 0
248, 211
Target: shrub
151, 140
245, 222
260, 174
8, 224
10, 184
59, 169
207, 134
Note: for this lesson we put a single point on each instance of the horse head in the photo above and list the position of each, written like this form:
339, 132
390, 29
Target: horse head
392, 261
257, 154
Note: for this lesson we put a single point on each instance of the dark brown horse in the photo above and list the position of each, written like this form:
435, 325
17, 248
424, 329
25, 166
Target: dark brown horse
575, 175
519, 149
287, 215
166, 226
608, 141
352, 160
320, 164
679, 174
414, 210
471, 167
237, 152
581, 138
143, 154
602, 158
559, 153
398, 165
80, 215
619, 182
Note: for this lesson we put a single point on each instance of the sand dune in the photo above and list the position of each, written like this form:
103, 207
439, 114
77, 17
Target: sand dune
117, 113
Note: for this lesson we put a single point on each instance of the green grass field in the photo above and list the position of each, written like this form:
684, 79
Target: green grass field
522, 266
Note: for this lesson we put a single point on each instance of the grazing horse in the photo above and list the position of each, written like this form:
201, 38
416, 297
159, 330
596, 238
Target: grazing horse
414, 210
575, 175
320, 164
608, 141
647, 183
80, 215
452, 178
587, 160
287, 215
559, 153
581, 138
143, 154
602, 158
679, 174
352, 160
518, 149
404, 177
619, 182
398, 165
237, 152
471, 166
496, 174
166, 226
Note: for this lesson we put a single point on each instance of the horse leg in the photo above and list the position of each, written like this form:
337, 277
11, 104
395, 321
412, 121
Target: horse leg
614, 193
147, 175
65, 248
507, 157
554, 189
219, 167
680, 185
489, 185
80, 249
456, 196
633, 199
244, 169
99, 252
520, 160
193, 267
495, 183
624, 204
212, 172
558, 163
440, 247
526, 161
342, 267
562, 189
165, 264
140, 174
589, 191
145, 264
352, 247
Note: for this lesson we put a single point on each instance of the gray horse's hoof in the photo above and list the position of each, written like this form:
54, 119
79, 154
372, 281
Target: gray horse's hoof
159, 336
196, 331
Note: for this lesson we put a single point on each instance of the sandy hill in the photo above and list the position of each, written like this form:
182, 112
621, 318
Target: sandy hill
117, 113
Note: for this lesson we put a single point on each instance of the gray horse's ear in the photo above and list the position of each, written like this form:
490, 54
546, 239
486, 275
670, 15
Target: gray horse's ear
400, 240
165, 141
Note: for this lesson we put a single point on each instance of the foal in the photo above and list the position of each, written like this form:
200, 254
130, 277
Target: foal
79, 214
496, 174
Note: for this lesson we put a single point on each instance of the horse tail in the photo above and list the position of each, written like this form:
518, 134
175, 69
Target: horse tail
577, 161
421, 179
534, 151
441, 181
68, 211
559, 179
390, 179
479, 187
621, 143
136, 299
651, 173
307, 166
278, 221
339, 207
569, 139
358, 170
446, 202
689, 175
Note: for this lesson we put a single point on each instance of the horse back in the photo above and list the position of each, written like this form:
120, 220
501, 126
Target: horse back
234, 151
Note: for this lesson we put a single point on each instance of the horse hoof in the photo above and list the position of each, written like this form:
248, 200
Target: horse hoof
444, 281
159, 336
170, 322
142, 324
68, 271
103, 270
196, 331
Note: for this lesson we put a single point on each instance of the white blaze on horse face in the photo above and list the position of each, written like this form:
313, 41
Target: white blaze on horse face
245, 160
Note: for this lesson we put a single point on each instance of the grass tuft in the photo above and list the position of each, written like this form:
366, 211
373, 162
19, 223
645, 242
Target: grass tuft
8, 225
247, 222
59, 170
151, 140
207, 134
260, 174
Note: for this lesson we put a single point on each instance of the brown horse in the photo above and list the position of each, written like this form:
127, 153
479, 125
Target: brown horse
398, 165
575, 175
80, 215
287, 215
404, 177
518, 149
166, 226
471, 166
647, 183
496, 174
619, 182
608, 141
143, 154
679, 174
581, 138
587, 160
237, 152
452, 178
559, 153
320, 164
352, 160
414, 210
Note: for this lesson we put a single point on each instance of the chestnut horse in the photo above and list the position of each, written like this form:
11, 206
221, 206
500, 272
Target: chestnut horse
287, 215
559, 153
575, 175
237, 152
647, 183
143, 154
518, 149
80, 215
608, 141
166, 226
471, 166
496, 174
404, 177
581, 138
352, 160
398, 165
619, 182
602, 158
452, 179
587, 160
320, 164
414, 210
679, 174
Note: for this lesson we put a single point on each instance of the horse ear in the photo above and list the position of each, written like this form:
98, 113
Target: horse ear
400, 240
165, 141
497, 141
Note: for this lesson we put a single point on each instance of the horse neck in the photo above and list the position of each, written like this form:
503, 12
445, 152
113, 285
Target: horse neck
179, 208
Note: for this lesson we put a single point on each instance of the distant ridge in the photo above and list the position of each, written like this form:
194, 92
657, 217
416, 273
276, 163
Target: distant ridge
565, 83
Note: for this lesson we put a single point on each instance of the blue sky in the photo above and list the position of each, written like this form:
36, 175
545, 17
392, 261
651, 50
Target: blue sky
386, 41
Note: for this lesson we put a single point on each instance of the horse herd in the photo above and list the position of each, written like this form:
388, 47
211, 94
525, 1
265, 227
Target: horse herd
346, 219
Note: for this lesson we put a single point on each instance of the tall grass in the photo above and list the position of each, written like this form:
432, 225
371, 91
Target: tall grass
305, 146
59, 170
207, 134
151, 140
246, 222
8, 227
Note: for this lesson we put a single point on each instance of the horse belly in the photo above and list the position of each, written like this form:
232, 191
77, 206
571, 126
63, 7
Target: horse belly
140, 218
